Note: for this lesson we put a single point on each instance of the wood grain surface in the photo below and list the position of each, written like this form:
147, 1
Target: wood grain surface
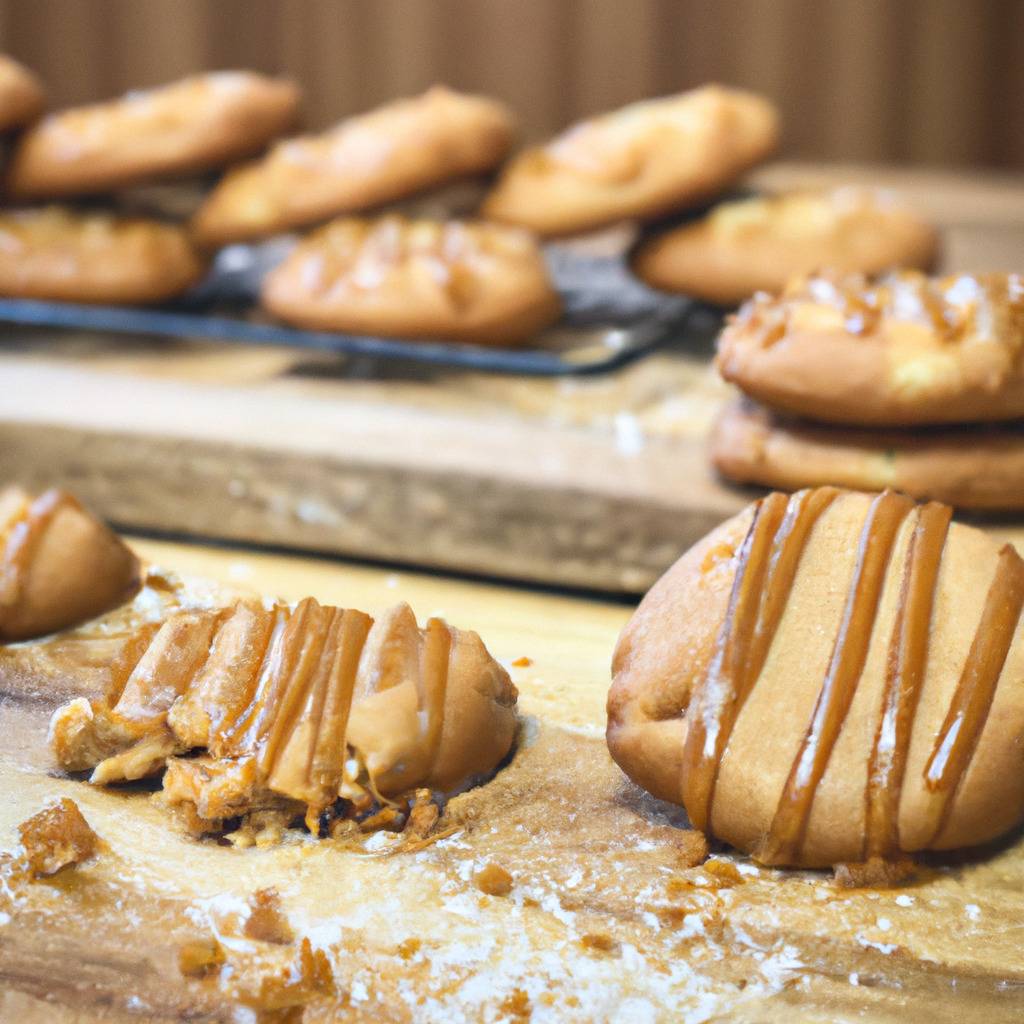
596, 483
607, 918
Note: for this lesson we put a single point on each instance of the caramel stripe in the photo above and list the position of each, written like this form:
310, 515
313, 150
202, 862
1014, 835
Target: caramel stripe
25, 536
286, 703
330, 750
436, 660
886, 514
240, 736
904, 677
768, 559
968, 710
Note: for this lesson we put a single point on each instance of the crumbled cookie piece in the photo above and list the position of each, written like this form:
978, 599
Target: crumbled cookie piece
693, 848
57, 837
423, 815
493, 880
307, 977
199, 958
724, 873
517, 1004
875, 873
600, 942
267, 922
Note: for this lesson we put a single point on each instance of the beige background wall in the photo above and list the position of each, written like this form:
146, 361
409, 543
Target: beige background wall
926, 81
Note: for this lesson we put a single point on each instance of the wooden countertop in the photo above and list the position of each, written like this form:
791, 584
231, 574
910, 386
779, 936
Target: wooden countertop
596, 483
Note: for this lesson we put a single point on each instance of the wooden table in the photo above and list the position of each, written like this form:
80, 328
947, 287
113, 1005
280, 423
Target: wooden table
596, 483
608, 918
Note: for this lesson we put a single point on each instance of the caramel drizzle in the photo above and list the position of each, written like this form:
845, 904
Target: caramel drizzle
24, 538
849, 653
289, 705
437, 654
768, 560
904, 678
975, 692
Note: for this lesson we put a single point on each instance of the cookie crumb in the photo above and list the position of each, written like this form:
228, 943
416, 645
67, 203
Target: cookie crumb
599, 941
423, 815
306, 978
199, 958
493, 880
517, 1004
724, 874
57, 837
267, 922
693, 848
874, 873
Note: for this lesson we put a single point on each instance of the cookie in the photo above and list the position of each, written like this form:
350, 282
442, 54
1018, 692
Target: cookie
395, 151
832, 677
296, 707
21, 95
59, 566
971, 467
760, 244
63, 255
473, 282
189, 126
642, 161
907, 350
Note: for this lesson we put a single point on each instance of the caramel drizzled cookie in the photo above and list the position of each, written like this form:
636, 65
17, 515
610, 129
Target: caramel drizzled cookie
830, 677
309, 710
908, 349
642, 161
21, 95
189, 126
971, 467
474, 282
760, 244
59, 567
59, 254
402, 148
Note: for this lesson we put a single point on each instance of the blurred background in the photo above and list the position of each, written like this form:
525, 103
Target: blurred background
937, 82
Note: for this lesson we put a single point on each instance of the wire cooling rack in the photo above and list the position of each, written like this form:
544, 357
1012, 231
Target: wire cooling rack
609, 319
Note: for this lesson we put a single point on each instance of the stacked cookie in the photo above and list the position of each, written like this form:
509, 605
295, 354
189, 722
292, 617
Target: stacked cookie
759, 244
912, 382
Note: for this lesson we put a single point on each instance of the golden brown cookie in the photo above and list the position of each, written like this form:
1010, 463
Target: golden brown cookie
21, 94
58, 565
830, 677
907, 350
759, 244
189, 126
59, 254
642, 161
474, 282
294, 709
971, 467
390, 153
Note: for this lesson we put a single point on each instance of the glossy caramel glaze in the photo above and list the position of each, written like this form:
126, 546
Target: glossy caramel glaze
959, 308
59, 565
904, 677
293, 709
874, 647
